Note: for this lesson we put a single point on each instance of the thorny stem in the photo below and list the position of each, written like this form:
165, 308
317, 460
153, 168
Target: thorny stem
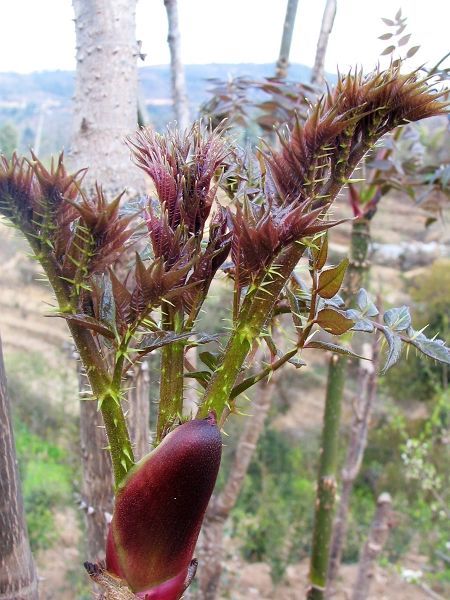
104, 389
337, 368
172, 367
257, 307
255, 312
326, 484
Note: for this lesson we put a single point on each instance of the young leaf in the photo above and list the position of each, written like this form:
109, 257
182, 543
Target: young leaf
363, 325
394, 348
202, 377
397, 319
432, 348
333, 348
404, 40
320, 253
334, 322
365, 304
330, 281
158, 339
210, 360
89, 322
388, 50
412, 51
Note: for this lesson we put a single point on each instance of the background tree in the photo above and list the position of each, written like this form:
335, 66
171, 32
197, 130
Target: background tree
105, 111
286, 39
9, 139
18, 580
317, 76
106, 99
179, 93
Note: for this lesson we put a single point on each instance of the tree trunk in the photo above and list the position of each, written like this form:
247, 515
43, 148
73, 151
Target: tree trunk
138, 415
105, 111
97, 483
18, 579
317, 75
286, 39
367, 392
179, 94
106, 99
378, 536
211, 543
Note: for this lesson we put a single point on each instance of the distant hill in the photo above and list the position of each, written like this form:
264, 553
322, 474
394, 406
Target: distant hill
39, 104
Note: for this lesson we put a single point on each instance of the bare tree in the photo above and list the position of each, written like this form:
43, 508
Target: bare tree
179, 94
367, 393
379, 533
211, 545
105, 111
286, 38
18, 579
317, 75
106, 97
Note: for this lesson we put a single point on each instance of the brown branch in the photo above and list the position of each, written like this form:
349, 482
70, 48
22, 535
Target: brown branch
378, 536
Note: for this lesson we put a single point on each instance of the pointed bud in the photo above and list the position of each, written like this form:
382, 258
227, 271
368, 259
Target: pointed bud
159, 510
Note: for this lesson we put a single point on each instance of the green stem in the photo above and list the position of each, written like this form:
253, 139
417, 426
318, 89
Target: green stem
172, 369
326, 481
104, 389
257, 308
337, 370
255, 311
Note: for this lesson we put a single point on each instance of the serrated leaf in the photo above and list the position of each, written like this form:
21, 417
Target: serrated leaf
432, 348
330, 280
365, 304
412, 51
333, 348
89, 322
388, 50
398, 319
333, 322
394, 348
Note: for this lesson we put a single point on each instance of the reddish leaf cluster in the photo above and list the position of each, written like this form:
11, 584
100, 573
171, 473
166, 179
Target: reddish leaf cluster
343, 126
182, 168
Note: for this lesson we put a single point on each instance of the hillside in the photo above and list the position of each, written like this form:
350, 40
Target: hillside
39, 104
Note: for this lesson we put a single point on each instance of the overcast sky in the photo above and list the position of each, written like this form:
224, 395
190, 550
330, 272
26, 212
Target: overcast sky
39, 34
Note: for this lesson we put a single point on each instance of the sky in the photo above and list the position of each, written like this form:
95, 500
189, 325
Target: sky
37, 35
